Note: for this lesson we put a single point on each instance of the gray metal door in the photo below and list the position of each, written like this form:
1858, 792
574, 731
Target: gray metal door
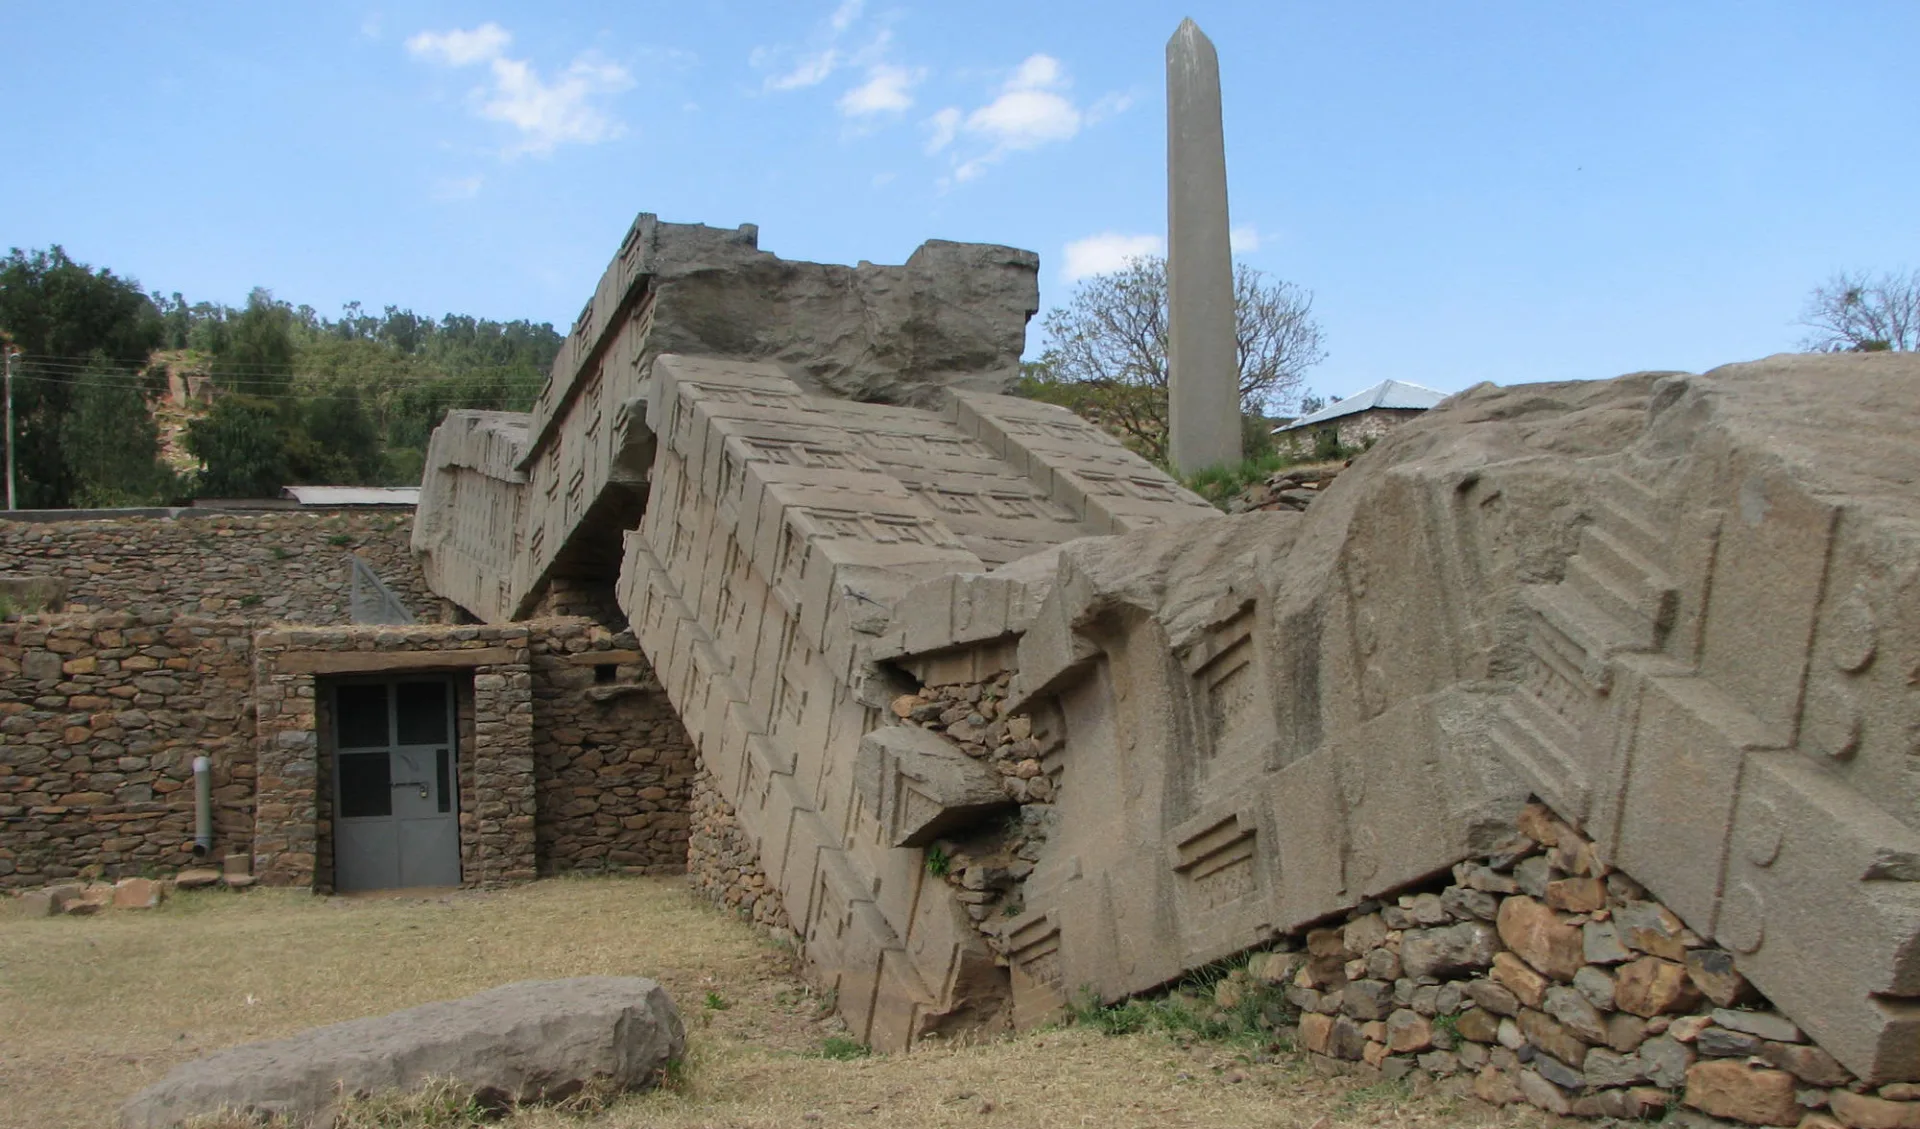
396, 819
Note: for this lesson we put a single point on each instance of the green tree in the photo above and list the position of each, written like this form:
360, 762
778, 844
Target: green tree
1109, 344
255, 355
59, 313
241, 445
111, 443
1853, 312
330, 441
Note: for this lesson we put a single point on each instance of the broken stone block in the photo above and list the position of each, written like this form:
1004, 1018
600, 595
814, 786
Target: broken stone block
1600, 944
34, 903
1495, 1087
1755, 1095
1577, 895
1651, 928
1651, 986
1576, 1013
1859, 1111
1768, 1025
1456, 950
1667, 1061
1596, 984
1808, 1063
195, 878
1718, 1042
922, 786
1548, 1035
137, 893
1544, 1094
1625, 1032
1493, 996
1478, 1025
1538, 936
1408, 1032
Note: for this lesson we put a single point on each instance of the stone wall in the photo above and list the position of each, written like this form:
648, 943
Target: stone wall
1539, 975
613, 767
101, 717
1357, 430
496, 768
724, 867
274, 566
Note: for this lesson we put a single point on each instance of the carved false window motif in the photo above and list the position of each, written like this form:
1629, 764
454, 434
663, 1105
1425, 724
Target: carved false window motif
1225, 690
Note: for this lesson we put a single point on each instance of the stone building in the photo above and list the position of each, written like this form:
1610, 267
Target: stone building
341, 754
1579, 713
1358, 420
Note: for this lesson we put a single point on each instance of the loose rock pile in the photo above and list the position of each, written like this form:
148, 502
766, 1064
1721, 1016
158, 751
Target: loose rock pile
1292, 489
1541, 976
988, 867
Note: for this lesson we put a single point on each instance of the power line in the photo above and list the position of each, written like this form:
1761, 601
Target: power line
81, 364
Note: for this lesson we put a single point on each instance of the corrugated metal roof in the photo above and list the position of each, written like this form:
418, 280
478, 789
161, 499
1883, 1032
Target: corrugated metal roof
353, 495
1386, 394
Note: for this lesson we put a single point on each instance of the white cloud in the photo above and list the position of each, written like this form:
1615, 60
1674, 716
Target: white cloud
942, 128
1026, 119
811, 70
1106, 252
844, 15
371, 26
824, 55
888, 89
552, 114
546, 114
458, 48
1245, 239
1030, 110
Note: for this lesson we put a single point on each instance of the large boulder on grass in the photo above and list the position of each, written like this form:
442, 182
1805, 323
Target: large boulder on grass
539, 1040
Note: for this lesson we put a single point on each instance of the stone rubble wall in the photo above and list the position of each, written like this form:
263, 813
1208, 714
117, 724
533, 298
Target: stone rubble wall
101, 717
1539, 975
724, 867
282, 565
613, 766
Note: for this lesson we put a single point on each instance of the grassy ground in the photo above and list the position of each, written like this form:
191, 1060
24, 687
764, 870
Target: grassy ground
92, 1009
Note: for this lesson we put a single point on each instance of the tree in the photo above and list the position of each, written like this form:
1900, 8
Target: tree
60, 313
242, 447
256, 354
111, 443
1852, 313
1107, 351
330, 440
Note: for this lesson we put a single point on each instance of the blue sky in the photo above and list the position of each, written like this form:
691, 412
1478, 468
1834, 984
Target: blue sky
1472, 190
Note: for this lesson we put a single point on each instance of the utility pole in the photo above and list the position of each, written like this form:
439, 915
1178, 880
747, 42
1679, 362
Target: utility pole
11, 354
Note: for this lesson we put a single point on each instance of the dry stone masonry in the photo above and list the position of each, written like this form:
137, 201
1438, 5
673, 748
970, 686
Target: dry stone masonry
1562, 748
285, 566
1539, 975
993, 713
101, 717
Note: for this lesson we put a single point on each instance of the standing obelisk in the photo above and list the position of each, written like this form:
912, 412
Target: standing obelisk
1202, 362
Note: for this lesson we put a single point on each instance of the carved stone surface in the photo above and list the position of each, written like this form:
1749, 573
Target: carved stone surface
953, 316
1683, 611
920, 785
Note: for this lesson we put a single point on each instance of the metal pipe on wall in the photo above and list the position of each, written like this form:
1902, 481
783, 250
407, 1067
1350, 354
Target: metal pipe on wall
202, 806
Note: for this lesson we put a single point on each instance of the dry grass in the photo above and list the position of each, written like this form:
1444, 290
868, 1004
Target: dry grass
92, 1009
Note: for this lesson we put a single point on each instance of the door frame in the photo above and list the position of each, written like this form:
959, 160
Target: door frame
331, 688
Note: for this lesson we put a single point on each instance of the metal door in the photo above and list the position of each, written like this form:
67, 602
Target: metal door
395, 785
